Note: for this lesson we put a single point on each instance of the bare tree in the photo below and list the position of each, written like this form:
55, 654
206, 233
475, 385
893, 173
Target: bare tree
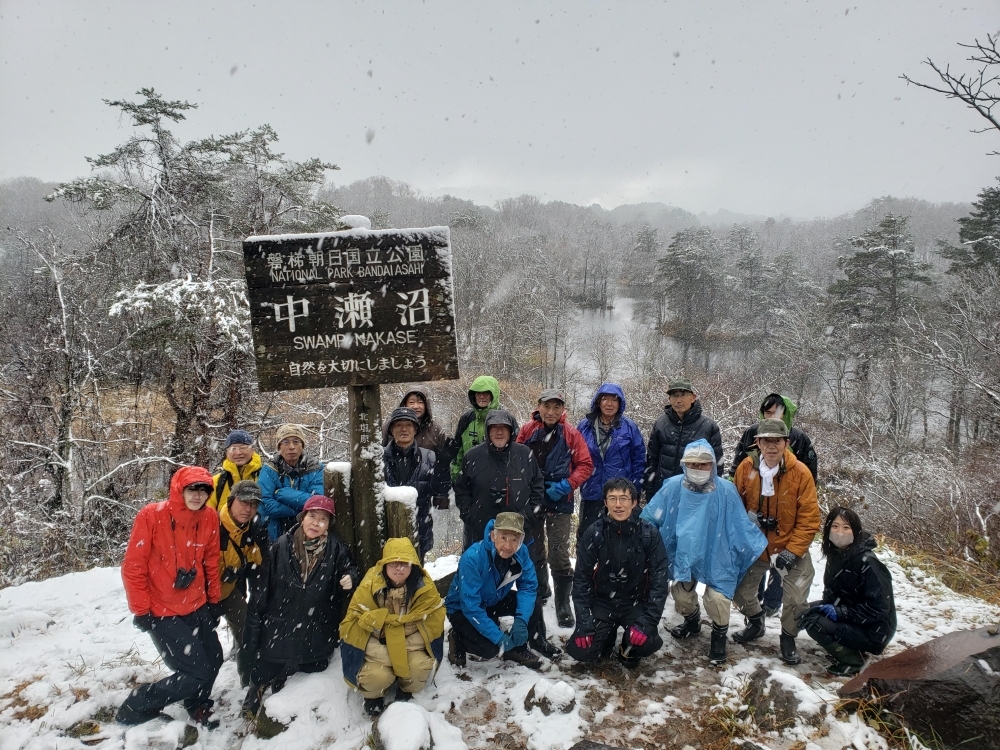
980, 90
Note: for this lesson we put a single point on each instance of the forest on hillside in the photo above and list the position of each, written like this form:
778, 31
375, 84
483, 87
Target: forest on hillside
125, 345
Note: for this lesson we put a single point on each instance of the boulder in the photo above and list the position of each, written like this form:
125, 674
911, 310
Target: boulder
948, 687
550, 697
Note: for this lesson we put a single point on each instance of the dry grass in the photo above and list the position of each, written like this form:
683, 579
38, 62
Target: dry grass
957, 574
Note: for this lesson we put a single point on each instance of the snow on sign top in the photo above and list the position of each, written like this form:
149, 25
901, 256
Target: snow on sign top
355, 307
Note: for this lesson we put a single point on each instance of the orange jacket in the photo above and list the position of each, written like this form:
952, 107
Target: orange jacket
167, 536
794, 503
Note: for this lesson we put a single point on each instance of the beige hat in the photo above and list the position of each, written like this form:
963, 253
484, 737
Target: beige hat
509, 522
289, 430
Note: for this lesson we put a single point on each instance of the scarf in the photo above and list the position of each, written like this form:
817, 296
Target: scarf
767, 475
308, 551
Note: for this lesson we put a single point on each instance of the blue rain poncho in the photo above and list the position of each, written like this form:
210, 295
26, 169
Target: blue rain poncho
708, 536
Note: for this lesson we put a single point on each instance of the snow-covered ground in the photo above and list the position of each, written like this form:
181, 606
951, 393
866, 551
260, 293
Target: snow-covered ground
68, 652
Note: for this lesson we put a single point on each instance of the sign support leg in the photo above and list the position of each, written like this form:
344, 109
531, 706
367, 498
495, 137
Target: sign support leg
365, 407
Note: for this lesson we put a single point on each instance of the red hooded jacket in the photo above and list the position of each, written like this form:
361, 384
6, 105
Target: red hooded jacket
571, 461
167, 536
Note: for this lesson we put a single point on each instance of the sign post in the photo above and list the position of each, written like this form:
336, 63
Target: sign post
355, 308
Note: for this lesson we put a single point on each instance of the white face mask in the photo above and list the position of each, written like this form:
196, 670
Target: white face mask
698, 477
841, 540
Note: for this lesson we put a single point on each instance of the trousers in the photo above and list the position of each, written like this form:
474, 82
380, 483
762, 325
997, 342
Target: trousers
376, 675
605, 635
794, 597
685, 595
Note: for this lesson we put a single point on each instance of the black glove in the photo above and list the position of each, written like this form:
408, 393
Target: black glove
784, 561
441, 502
213, 612
143, 622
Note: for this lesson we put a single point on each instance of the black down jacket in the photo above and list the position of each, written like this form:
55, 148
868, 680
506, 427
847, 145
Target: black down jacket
427, 481
620, 565
497, 481
668, 439
859, 585
294, 622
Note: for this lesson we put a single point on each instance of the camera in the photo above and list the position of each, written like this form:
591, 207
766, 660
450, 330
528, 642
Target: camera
229, 575
498, 496
185, 577
767, 523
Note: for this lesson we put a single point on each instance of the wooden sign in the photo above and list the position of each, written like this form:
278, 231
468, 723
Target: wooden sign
357, 307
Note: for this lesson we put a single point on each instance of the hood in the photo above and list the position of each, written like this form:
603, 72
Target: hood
427, 404
487, 542
182, 478
608, 388
485, 383
788, 417
702, 444
399, 549
504, 417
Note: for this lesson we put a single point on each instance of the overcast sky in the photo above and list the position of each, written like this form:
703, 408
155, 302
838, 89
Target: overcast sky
764, 107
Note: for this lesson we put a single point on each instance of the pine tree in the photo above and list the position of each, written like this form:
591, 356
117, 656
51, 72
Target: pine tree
980, 236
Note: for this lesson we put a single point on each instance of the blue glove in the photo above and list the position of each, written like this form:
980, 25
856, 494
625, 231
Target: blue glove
506, 644
519, 632
829, 610
558, 490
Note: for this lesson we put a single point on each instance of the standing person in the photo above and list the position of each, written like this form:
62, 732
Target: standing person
293, 620
243, 543
778, 491
776, 406
564, 458
857, 614
681, 423
709, 539
620, 581
241, 462
482, 592
393, 632
484, 395
503, 476
406, 464
616, 450
171, 578
429, 436
288, 481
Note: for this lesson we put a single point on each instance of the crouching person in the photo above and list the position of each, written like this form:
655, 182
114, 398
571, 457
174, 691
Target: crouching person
293, 619
709, 539
483, 591
171, 577
857, 614
393, 632
620, 581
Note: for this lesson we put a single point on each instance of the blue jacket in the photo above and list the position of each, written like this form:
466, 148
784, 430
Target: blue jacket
283, 492
477, 585
624, 453
708, 536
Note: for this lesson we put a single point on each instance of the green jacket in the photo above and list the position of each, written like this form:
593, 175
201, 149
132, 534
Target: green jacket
471, 429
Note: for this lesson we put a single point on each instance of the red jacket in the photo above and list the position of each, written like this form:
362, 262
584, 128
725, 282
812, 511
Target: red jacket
581, 465
167, 536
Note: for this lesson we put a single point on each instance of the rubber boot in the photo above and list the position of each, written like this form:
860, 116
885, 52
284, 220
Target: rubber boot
690, 627
717, 651
251, 704
374, 706
788, 653
564, 610
455, 654
542, 572
753, 630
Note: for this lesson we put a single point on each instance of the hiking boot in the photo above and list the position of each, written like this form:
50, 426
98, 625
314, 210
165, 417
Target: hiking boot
717, 651
455, 655
202, 714
690, 627
753, 630
374, 706
521, 655
402, 696
788, 653
564, 610
545, 647
251, 704
839, 669
128, 717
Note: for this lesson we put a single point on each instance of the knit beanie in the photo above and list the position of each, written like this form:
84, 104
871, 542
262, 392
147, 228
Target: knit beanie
287, 431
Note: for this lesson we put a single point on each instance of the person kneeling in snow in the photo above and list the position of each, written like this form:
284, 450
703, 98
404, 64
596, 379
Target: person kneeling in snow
294, 613
857, 613
708, 538
171, 577
393, 631
483, 591
621, 581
